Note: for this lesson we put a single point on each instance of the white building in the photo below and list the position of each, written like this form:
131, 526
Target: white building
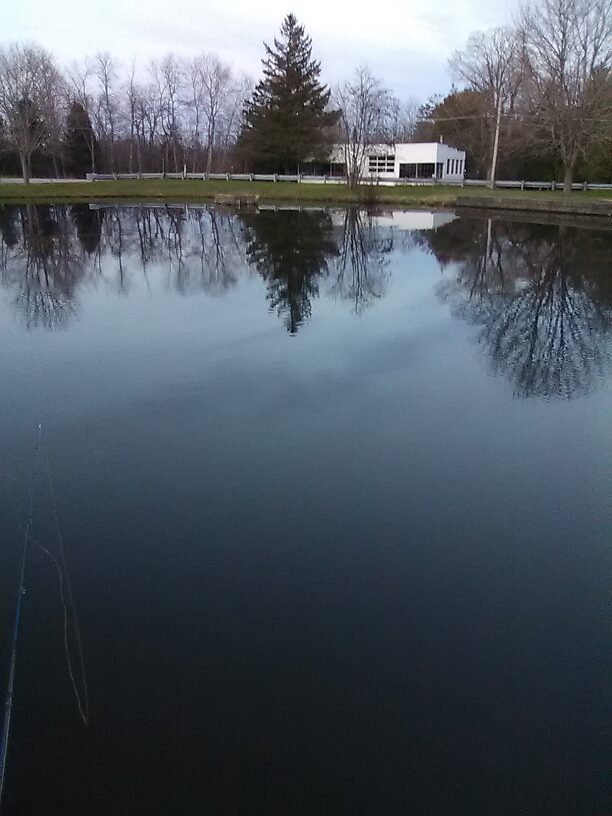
415, 160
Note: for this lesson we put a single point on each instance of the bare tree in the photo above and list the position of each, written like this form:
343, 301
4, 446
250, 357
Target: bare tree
105, 70
194, 104
569, 58
213, 106
55, 122
366, 115
30, 92
148, 114
131, 96
404, 119
79, 79
492, 65
240, 89
216, 78
168, 76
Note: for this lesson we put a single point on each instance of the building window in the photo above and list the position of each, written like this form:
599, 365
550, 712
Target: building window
421, 171
381, 164
448, 167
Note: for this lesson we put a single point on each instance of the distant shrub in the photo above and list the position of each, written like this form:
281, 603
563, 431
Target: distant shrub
368, 193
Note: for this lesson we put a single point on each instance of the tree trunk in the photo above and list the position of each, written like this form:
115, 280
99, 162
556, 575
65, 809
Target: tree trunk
568, 178
25, 170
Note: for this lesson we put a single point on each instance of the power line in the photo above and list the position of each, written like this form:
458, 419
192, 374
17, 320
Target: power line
517, 116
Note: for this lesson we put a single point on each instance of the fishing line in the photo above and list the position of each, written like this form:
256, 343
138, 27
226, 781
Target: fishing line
8, 704
81, 696
64, 578
83, 705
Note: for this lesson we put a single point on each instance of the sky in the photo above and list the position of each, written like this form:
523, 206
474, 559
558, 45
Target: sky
406, 43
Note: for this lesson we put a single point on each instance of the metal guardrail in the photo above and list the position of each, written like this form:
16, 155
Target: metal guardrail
295, 178
13, 180
386, 182
308, 179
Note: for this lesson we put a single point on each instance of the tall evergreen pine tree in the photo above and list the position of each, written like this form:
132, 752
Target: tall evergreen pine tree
286, 119
82, 150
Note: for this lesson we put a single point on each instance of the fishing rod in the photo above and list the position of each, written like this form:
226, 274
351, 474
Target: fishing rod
8, 704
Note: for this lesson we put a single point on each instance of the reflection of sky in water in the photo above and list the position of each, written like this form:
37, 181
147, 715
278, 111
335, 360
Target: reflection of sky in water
350, 549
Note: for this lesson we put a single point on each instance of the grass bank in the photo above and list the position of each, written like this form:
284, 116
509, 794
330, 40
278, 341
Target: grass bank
176, 190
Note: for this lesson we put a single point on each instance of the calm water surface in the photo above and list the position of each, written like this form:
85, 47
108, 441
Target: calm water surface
334, 495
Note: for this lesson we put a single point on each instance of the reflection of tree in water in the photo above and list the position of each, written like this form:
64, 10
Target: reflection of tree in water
361, 269
8, 227
46, 252
216, 256
221, 250
88, 224
39, 261
290, 249
200, 248
541, 295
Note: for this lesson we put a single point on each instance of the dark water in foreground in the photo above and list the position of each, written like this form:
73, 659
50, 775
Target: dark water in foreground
335, 501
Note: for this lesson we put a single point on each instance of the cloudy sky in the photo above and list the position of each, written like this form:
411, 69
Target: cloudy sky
405, 42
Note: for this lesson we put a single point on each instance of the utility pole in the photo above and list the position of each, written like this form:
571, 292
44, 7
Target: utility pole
496, 139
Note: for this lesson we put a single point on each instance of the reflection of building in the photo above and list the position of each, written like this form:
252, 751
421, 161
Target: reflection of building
417, 160
404, 219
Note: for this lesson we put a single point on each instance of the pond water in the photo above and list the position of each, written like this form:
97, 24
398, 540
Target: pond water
333, 491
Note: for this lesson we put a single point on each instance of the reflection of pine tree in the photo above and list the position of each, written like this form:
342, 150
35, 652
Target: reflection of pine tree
8, 225
542, 298
362, 266
290, 250
88, 224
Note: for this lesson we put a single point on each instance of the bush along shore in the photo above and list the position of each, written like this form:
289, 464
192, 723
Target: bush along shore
175, 190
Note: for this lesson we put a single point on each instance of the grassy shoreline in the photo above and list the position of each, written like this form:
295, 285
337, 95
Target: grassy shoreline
176, 190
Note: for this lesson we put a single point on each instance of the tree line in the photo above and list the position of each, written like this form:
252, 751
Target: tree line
534, 99
100, 116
